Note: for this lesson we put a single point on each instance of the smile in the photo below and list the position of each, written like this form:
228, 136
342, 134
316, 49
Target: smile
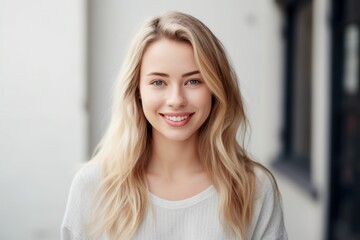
176, 118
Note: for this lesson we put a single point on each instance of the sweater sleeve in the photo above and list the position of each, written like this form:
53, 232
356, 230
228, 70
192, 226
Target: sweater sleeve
78, 208
71, 225
268, 220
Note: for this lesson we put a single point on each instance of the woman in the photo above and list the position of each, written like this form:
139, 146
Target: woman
169, 166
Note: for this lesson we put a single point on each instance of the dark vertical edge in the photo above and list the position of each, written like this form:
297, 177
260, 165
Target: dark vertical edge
336, 72
289, 35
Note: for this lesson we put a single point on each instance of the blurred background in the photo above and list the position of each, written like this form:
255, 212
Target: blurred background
298, 67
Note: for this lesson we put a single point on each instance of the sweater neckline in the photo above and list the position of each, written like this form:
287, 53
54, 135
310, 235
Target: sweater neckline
187, 202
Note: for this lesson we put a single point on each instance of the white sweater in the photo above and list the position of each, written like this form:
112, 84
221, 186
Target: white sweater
195, 218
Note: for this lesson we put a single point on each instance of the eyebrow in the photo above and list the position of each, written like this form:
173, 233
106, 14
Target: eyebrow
167, 75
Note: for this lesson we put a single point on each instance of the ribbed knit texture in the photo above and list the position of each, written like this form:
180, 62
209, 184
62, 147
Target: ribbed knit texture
195, 218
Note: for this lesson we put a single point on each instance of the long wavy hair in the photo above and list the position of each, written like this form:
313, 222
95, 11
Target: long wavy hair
124, 151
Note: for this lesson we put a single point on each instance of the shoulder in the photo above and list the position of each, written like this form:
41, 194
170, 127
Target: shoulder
268, 221
85, 181
87, 177
265, 182
79, 203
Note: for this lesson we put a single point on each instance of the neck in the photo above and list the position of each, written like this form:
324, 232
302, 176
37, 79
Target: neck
170, 157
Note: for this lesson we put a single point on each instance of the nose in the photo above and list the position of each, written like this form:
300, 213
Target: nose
176, 98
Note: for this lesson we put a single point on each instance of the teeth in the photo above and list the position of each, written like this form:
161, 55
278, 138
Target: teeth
177, 119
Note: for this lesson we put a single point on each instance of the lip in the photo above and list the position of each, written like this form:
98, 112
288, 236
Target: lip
177, 114
179, 123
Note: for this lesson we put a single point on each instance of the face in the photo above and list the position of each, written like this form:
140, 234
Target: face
175, 99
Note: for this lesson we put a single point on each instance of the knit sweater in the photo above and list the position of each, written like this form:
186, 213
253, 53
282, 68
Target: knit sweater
194, 218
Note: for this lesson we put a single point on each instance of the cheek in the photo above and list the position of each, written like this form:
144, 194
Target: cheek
150, 103
205, 101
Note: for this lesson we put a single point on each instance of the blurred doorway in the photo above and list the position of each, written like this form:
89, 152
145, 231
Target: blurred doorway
344, 221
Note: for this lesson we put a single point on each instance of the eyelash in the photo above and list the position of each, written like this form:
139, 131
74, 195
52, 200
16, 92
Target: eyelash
155, 83
189, 82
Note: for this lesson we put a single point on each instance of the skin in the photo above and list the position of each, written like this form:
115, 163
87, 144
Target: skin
176, 101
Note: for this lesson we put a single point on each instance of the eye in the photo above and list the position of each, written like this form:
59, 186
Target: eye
157, 83
193, 82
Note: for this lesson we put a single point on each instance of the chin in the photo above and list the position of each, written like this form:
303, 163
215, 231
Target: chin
177, 138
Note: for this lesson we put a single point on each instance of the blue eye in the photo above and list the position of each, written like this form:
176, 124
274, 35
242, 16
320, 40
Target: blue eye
157, 83
193, 82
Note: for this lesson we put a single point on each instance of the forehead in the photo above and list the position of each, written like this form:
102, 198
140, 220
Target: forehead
168, 56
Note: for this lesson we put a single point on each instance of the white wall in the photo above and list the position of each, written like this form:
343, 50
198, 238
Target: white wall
42, 113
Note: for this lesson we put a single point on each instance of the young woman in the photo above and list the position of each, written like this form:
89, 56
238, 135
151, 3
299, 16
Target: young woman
169, 166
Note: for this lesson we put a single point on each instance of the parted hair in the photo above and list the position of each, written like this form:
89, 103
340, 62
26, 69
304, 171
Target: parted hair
125, 149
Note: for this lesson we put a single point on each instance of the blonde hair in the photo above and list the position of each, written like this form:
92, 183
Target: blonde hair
125, 149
